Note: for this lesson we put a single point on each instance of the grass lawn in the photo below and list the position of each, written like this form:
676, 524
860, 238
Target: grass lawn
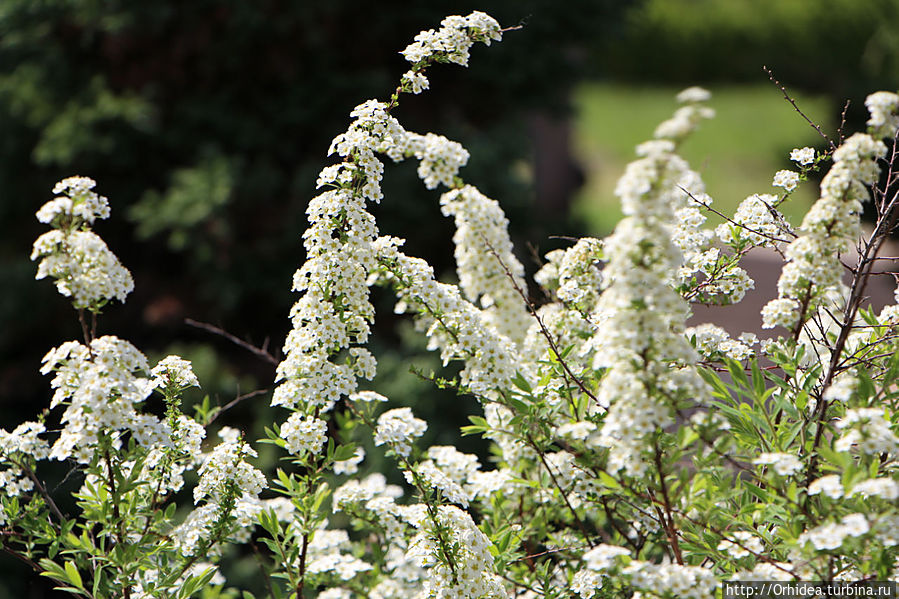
737, 152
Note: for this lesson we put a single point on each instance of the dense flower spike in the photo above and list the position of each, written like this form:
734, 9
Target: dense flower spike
829, 228
497, 282
639, 336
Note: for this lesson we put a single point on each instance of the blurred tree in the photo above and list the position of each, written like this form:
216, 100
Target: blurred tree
206, 122
842, 48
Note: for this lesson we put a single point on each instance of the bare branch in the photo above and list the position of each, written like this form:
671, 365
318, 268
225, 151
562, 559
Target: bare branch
261, 352
789, 99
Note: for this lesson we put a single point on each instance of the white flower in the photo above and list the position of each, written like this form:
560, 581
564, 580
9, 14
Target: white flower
304, 433
174, 371
83, 266
602, 557
784, 463
693, 95
789, 180
756, 220
415, 82
782, 312
885, 488
741, 543
397, 428
367, 396
351, 465
803, 156
224, 466
866, 430
80, 202
842, 387
884, 110
829, 485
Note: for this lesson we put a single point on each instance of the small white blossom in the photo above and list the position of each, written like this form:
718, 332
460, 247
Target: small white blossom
885, 488
884, 110
803, 156
789, 180
829, 485
304, 433
351, 465
602, 557
174, 371
397, 428
784, 463
694, 95
224, 466
741, 543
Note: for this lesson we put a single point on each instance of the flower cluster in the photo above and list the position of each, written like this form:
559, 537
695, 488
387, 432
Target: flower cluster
803, 156
82, 265
712, 342
453, 41
100, 385
757, 221
639, 335
468, 570
439, 158
398, 427
831, 535
884, 110
789, 180
174, 372
783, 464
687, 118
451, 323
22, 443
828, 228
866, 430
498, 282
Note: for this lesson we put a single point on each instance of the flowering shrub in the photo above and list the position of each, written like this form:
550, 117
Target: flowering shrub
632, 456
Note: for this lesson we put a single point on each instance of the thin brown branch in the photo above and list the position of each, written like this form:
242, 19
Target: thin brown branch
840, 133
543, 330
792, 102
261, 352
236, 401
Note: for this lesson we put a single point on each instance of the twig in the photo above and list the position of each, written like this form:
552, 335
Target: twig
42, 490
552, 476
843, 121
236, 401
796, 107
543, 330
261, 352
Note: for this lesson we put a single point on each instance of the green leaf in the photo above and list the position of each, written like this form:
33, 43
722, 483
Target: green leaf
737, 373
522, 383
758, 379
608, 481
73, 576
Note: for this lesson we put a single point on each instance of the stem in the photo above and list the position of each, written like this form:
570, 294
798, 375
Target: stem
41, 489
577, 518
120, 526
85, 329
302, 579
668, 521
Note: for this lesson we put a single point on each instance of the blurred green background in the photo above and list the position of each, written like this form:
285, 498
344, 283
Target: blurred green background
205, 123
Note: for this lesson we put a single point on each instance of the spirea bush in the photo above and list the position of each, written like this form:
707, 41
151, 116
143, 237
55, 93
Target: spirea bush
632, 456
